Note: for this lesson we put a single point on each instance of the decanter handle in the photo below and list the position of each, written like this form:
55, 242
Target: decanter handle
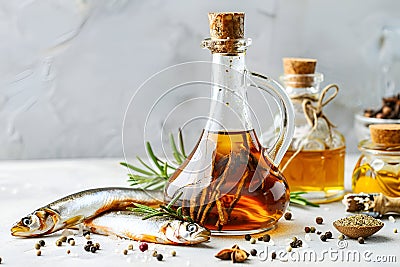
279, 148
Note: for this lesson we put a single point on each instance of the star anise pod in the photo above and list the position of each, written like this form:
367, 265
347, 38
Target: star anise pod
235, 254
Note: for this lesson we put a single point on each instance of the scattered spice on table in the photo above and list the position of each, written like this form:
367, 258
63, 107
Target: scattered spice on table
143, 247
253, 240
323, 238
235, 254
253, 252
42, 243
266, 238
37, 246
173, 253
319, 220
361, 240
307, 229
288, 216
247, 237
38, 253
160, 257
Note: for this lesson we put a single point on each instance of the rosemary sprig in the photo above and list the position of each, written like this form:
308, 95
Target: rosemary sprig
162, 211
146, 177
296, 198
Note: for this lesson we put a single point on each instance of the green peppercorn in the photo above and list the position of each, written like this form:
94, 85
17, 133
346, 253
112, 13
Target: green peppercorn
253, 252
160, 257
312, 229
247, 237
253, 240
42, 243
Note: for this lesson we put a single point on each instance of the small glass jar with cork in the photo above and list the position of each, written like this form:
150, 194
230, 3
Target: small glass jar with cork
378, 168
314, 162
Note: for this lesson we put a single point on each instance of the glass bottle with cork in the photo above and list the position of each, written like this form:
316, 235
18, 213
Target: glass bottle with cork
229, 182
314, 162
377, 170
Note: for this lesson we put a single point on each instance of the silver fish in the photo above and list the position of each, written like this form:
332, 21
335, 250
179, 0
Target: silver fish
71, 210
127, 224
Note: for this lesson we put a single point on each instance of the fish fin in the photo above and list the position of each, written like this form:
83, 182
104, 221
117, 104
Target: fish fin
73, 221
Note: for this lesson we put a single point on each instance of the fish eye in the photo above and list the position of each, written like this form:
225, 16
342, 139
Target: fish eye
26, 221
191, 228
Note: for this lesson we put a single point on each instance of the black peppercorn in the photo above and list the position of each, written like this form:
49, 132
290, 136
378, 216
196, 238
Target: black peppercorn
361, 240
266, 238
89, 242
288, 216
260, 238
328, 234
253, 252
160, 257
319, 232
86, 233
323, 238
42, 243
247, 237
69, 240
87, 247
93, 249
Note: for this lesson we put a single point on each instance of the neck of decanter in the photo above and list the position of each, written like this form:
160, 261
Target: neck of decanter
229, 110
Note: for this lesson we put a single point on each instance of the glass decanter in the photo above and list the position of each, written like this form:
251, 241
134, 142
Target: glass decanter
314, 162
229, 182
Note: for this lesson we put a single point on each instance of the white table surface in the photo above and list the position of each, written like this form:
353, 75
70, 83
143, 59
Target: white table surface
27, 185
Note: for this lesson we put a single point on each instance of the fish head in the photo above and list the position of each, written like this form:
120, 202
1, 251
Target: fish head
186, 232
38, 223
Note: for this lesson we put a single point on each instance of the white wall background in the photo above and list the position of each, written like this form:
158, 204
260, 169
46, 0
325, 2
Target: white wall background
68, 68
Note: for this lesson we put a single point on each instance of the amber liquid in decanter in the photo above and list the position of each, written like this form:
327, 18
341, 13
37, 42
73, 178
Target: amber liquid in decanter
228, 183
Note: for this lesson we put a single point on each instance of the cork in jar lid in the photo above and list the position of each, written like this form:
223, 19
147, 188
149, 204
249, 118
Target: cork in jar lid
385, 134
299, 65
226, 25
299, 71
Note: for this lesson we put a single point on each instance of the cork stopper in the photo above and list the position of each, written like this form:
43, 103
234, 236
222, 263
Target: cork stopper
226, 25
300, 67
385, 134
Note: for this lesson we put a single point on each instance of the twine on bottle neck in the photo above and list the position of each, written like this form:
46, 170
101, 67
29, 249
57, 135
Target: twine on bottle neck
313, 113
